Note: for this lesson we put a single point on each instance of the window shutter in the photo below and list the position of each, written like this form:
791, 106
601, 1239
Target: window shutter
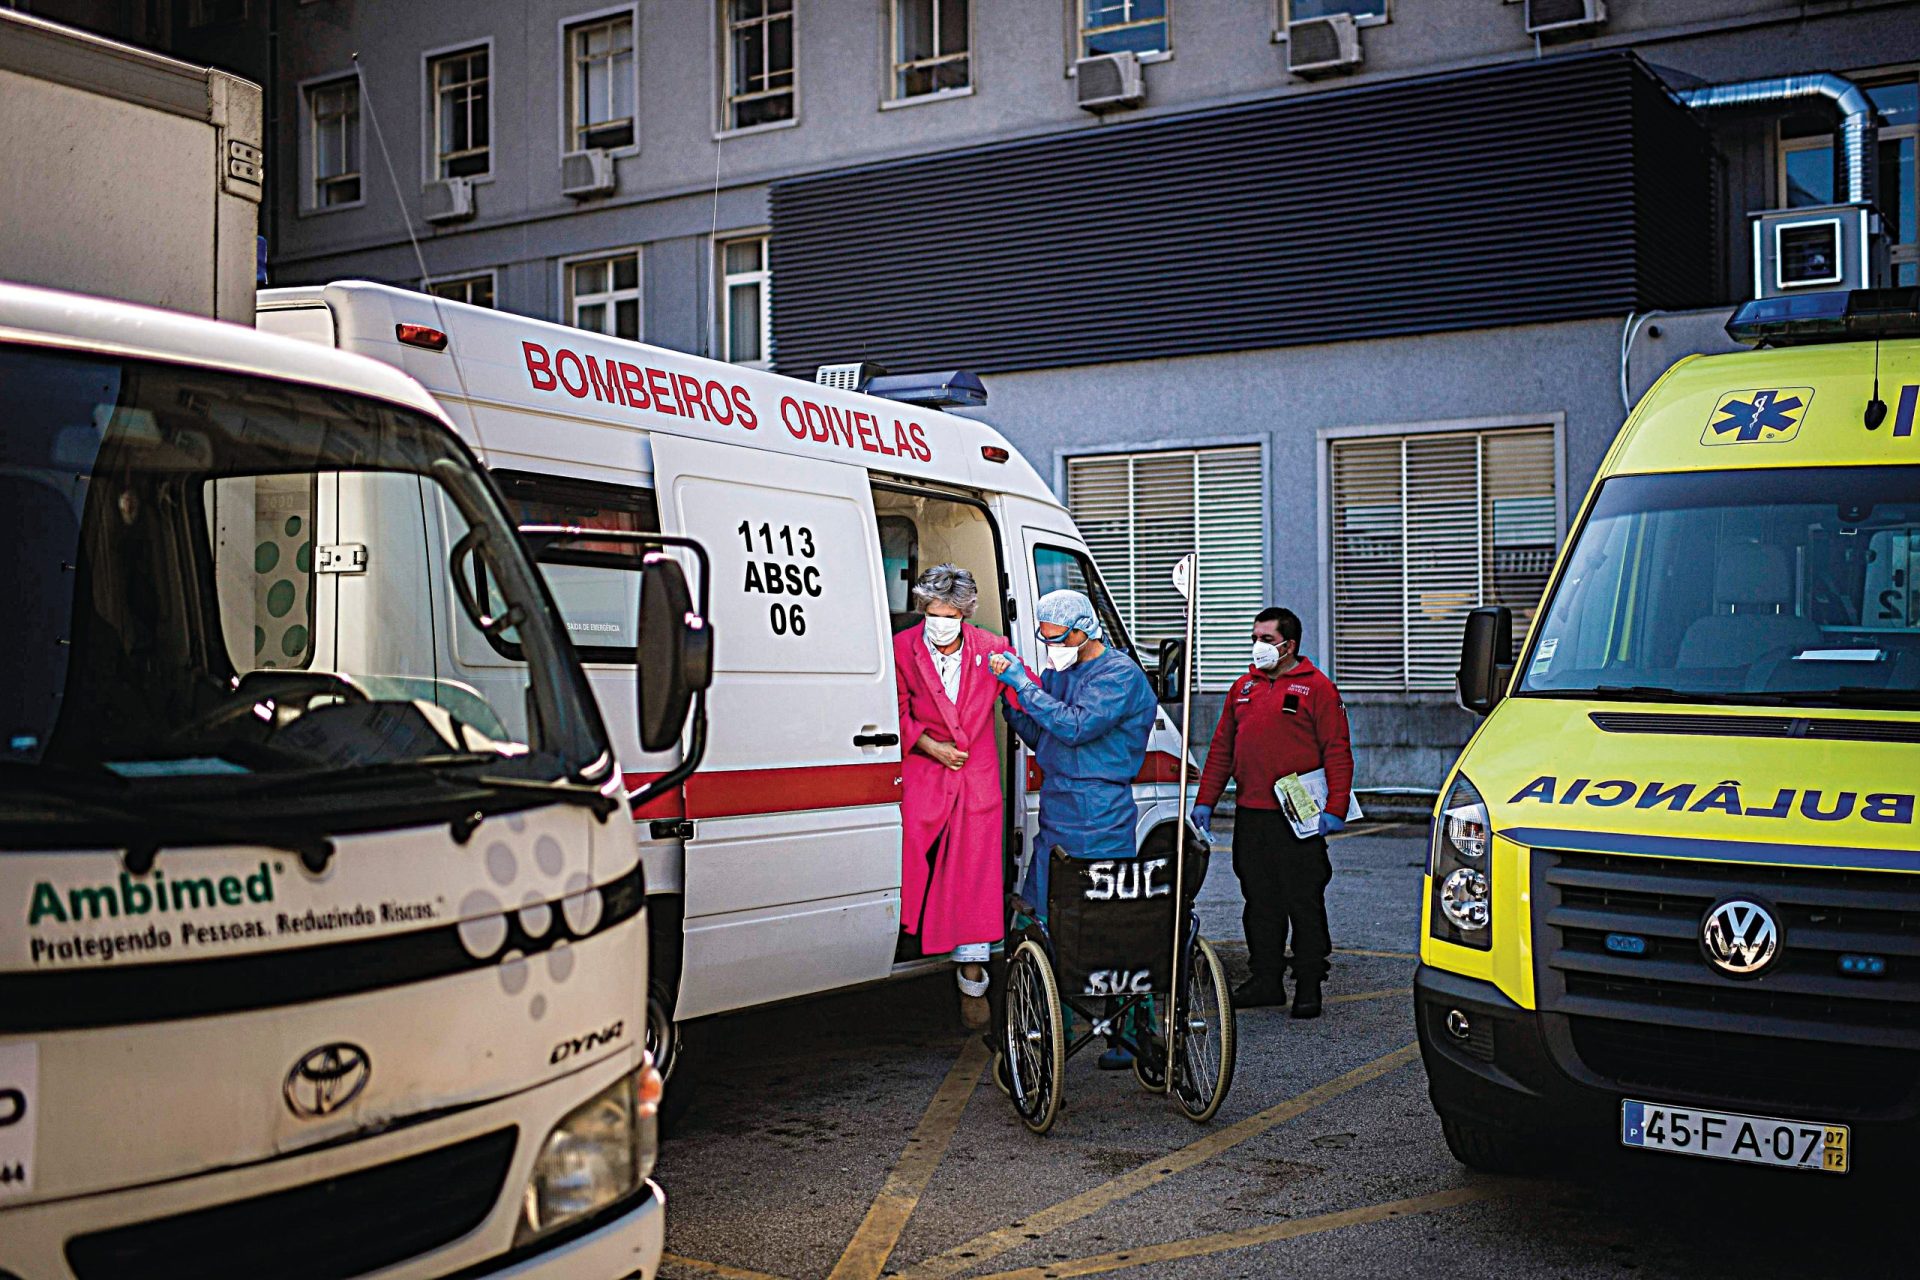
1141, 512
1426, 527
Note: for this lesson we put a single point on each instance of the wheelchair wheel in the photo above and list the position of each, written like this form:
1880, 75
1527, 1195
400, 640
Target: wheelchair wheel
1150, 1066
1203, 1068
1036, 1037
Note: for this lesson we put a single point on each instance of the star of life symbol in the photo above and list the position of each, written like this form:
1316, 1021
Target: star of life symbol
1769, 416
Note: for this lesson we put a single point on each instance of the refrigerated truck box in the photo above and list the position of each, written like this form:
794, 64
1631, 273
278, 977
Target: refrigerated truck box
127, 174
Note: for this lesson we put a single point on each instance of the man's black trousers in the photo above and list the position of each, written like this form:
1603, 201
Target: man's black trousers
1283, 878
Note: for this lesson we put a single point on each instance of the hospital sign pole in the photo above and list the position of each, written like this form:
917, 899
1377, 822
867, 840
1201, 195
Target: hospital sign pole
1186, 581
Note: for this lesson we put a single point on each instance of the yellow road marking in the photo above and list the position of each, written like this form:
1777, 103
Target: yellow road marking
866, 1255
673, 1261
964, 1257
1176, 1250
1350, 997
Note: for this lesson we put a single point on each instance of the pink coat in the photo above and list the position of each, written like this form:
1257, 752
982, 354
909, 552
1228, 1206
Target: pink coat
960, 899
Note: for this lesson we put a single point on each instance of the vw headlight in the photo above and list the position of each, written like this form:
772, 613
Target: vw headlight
1461, 869
600, 1152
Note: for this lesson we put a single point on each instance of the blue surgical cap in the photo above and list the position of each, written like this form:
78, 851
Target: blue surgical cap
1071, 610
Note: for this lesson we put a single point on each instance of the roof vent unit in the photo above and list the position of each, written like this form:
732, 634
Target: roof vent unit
956, 390
584, 174
1835, 246
448, 200
1109, 82
1320, 46
848, 377
1545, 17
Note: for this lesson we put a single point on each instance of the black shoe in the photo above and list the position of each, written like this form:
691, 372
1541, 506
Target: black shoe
1256, 992
1306, 998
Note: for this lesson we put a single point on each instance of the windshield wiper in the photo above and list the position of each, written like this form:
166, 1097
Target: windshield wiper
1658, 693
148, 825
1859, 695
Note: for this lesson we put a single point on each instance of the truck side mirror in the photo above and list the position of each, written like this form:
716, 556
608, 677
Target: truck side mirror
675, 653
1172, 669
1486, 659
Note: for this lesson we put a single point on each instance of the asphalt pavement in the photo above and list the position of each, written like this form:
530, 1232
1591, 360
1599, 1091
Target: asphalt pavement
857, 1136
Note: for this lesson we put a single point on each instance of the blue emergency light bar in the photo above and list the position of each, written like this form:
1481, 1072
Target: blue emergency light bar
956, 390
1847, 316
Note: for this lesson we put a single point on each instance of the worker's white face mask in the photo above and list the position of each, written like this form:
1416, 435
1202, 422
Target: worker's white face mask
942, 631
1062, 656
1265, 656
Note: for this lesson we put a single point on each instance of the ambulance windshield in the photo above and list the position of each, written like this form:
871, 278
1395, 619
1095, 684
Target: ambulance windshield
1774, 587
213, 579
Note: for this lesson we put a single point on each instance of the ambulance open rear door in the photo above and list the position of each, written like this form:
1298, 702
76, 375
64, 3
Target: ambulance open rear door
792, 866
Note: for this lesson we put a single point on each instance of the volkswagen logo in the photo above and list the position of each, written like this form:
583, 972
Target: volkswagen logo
327, 1079
1740, 937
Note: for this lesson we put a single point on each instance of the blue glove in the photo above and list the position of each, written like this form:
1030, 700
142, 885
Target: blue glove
1016, 675
1202, 815
1330, 824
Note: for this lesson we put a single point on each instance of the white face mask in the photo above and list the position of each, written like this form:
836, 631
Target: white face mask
942, 631
1265, 656
1062, 656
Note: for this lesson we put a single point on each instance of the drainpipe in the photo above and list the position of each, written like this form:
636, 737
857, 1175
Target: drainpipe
1857, 115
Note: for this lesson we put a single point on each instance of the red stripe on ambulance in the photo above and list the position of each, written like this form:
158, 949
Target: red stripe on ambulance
736, 793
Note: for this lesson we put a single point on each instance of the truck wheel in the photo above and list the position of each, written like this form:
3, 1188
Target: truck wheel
676, 1048
1490, 1150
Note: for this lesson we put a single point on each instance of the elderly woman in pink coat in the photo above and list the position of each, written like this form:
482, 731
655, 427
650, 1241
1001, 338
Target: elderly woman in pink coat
951, 803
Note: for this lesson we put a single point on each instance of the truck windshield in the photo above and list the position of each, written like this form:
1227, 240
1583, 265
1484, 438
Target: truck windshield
1776, 587
209, 577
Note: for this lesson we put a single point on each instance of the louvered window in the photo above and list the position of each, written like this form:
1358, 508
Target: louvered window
1426, 527
1141, 512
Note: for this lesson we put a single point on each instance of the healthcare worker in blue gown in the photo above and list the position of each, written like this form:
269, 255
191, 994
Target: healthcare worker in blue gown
1087, 721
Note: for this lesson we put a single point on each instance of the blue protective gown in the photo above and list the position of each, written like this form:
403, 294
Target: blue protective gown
1088, 727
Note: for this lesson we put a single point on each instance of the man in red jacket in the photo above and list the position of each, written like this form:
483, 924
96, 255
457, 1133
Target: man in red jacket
1283, 717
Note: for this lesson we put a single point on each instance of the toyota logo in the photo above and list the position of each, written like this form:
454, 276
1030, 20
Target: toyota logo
327, 1079
1740, 937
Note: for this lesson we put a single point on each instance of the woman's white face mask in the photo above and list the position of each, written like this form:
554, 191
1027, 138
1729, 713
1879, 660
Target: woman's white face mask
1062, 656
942, 631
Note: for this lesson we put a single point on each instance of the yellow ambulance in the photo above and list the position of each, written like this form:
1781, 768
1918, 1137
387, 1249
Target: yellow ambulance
1673, 891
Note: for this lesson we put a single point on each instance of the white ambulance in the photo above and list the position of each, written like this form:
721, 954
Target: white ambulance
317, 958
775, 871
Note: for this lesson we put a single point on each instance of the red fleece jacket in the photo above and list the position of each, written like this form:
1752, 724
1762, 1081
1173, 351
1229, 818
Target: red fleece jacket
1276, 724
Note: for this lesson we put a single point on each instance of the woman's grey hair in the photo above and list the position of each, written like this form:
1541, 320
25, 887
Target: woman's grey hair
948, 584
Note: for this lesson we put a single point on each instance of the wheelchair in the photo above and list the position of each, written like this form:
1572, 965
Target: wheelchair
1100, 963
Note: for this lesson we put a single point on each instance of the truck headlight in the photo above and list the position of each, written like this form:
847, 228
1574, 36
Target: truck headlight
600, 1151
1461, 870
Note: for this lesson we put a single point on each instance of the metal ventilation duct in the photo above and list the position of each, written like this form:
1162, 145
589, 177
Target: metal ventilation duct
1856, 126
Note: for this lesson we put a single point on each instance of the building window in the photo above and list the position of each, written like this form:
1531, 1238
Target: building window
215, 13
746, 301
930, 47
603, 294
474, 290
1424, 528
334, 112
462, 129
600, 84
1808, 164
1141, 512
759, 52
1365, 12
1123, 26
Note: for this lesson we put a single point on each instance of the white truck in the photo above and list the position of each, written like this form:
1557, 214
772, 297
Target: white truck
128, 175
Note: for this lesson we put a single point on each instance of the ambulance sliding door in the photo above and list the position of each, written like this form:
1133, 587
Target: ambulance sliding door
793, 867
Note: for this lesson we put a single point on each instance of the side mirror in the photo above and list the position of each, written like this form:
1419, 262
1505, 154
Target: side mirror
1172, 669
676, 653
1486, 659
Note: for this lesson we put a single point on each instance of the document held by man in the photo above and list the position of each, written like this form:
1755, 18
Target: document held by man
1303, 796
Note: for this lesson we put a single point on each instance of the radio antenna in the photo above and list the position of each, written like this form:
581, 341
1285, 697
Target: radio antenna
406, 220
1876, 407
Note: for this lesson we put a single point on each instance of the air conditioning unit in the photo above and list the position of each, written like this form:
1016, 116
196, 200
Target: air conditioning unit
1836, 246
1546, 16
1109, 82
1318, 46
587, 173
848, 377
448, 200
